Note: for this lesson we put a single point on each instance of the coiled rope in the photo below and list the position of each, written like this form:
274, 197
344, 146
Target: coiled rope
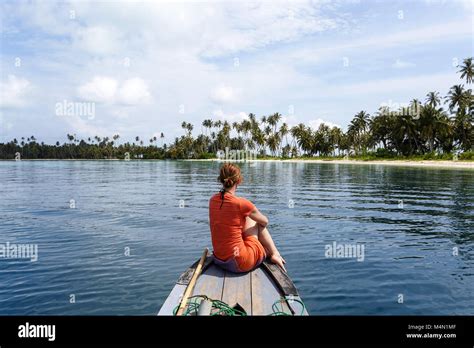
222, 308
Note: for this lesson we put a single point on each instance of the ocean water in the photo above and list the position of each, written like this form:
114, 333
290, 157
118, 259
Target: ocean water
113, 236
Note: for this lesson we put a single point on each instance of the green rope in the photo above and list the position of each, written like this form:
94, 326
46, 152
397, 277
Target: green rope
219, 307
280, 311
222, 308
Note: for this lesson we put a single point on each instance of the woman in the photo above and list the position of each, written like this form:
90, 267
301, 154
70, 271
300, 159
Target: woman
240, 238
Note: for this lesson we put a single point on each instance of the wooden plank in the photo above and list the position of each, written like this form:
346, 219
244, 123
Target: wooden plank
286, 286
295, 306
210, 283
264, 293
237, 289
185, 278
281, 279
172, 301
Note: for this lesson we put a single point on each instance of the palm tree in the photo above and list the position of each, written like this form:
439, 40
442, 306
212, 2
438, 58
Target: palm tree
467, 70
190, 128
236, 126
322, 140
381, 127
297, 133
273, 120
246, 127
303, 137
273, 143
463, 128
336, 136
207, 124
431, 129
431, 124
258, 138
225, 134
218, 124
433, 99
362, 120
357, 130
267, 130
284, 132
406, 130
456, 97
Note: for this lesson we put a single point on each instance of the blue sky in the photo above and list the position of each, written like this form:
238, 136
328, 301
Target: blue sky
148, 66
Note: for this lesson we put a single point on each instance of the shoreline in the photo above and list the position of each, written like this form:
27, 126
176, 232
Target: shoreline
406, 163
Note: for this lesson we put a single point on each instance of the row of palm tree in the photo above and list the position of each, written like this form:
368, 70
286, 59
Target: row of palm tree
420, 128
434, 126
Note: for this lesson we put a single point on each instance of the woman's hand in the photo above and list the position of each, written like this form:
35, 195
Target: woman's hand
278, 260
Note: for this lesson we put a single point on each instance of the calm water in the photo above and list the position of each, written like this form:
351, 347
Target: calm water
135, 205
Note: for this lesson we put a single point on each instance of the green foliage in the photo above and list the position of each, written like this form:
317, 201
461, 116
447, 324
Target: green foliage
207, 155
466, 156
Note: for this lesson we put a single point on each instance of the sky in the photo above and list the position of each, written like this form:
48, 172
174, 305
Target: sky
141, 68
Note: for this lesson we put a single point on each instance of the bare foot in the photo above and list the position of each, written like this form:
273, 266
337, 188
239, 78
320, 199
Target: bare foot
278, 260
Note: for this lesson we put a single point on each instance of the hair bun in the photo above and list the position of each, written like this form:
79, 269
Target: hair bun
229, 175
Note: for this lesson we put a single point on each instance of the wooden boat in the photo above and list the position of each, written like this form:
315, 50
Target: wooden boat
267, 290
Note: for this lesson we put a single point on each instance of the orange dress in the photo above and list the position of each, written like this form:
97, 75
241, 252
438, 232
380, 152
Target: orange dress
227, 221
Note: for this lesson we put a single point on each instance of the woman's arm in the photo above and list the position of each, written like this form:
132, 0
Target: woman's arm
259, 218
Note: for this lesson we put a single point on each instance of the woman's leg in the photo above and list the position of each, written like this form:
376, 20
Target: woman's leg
253, 229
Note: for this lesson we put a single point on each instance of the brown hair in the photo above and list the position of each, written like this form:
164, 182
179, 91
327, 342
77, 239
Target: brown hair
229, 175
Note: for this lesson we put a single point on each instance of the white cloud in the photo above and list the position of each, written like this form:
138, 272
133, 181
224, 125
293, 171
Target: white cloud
314, 124
467, 4
400, 64
422, 35
393, 86
14, 91
225, 94
133, 91
229, 116
102, 89
4, 125
185, 51
98, 40
252, 25
120, 114
48, 16
85, 128
419, 35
